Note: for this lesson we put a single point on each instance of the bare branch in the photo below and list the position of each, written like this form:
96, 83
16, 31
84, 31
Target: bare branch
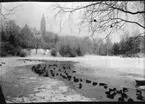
102, 15
126, 11
139, 35
79, 8
11, 9
129, 22
106, 36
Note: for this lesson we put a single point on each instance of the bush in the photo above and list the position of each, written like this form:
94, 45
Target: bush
6, 48
70, 46
79, 51
3, 53
115, 49
63, 50
23, 53
73, 53
16, 51
67, 51
53, 52
9, 49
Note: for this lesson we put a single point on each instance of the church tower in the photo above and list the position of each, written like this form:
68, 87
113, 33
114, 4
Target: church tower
43, 25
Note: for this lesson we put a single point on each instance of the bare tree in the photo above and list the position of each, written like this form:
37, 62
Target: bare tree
9, 11
4, 16
107, 16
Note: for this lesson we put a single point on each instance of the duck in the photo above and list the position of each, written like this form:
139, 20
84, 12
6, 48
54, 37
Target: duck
33, 68
88, 81
74, 71
105, 87
140, 83
130, 100
69, 77
60, 74
59, 70
39, 65
111, 96
114, 89
46, 74
64, 67
107, 92
111, 89
94, 83
51, 71
119, 91
124, 95
64, 77
95, 20
81, 80
138, 92
80, 86
57, 74
140, 97
121, 99
125, 89
75, 79
52, 75
102, 84
111, 93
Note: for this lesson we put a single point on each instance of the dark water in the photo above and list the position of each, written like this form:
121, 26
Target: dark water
88, 85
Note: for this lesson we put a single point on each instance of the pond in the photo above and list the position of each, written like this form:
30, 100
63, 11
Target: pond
87, 84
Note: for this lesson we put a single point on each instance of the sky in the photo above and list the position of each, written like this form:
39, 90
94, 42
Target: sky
30, 13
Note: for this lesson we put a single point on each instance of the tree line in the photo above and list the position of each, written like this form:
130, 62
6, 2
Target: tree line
13, 39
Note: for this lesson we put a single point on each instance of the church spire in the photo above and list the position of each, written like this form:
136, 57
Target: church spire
43, 25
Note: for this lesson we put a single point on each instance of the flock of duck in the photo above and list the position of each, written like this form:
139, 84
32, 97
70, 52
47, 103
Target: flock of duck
67, 72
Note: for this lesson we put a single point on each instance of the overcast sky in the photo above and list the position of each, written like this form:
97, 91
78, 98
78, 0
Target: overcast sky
31, 12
